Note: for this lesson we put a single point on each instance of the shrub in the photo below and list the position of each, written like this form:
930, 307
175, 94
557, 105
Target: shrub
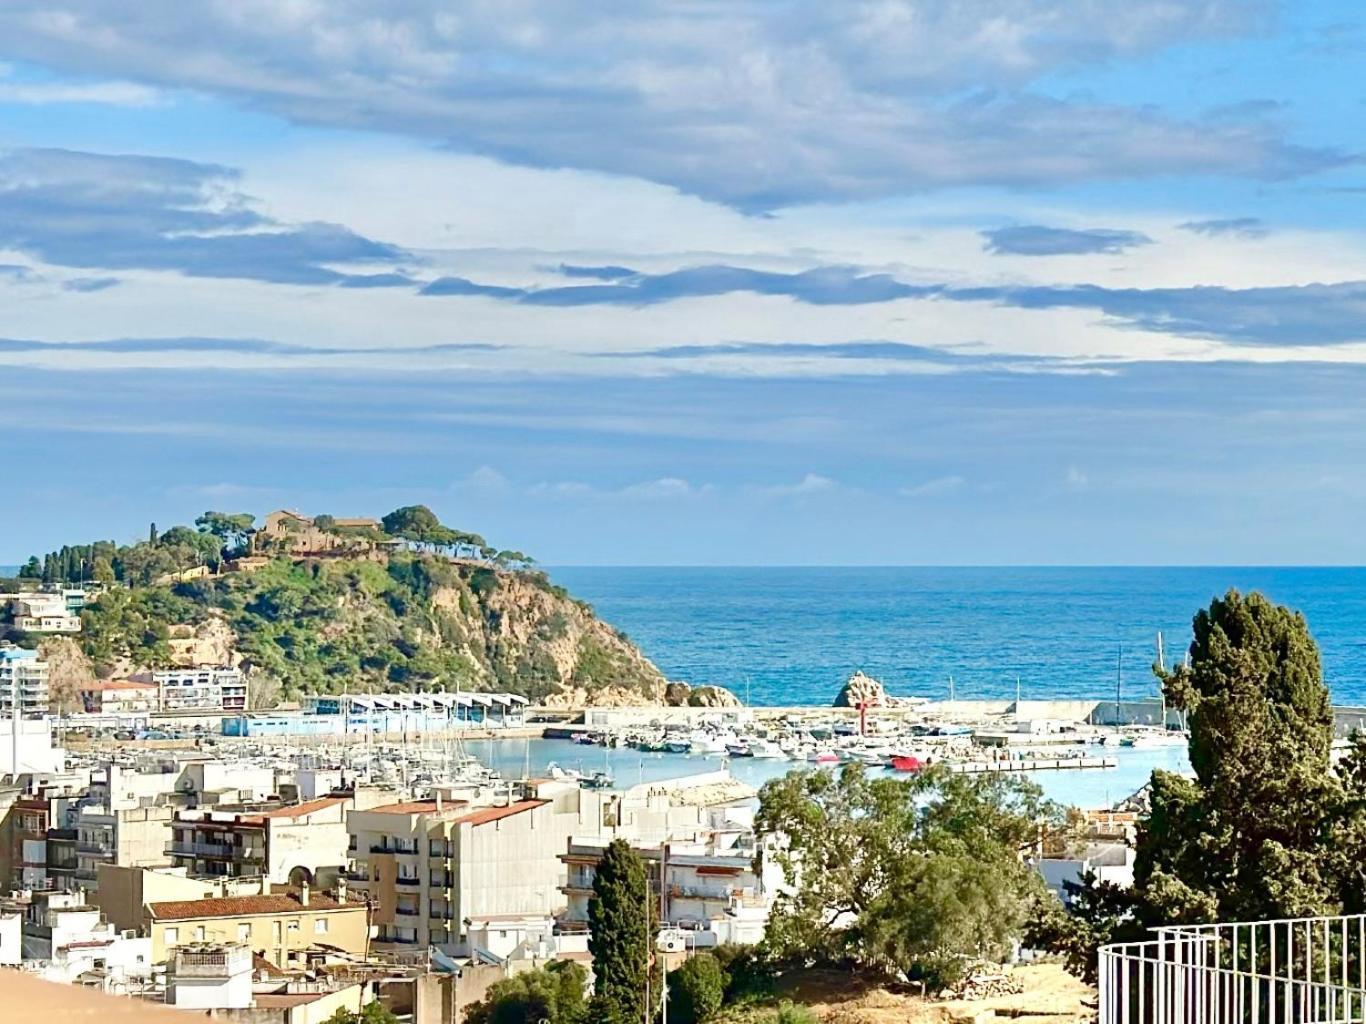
791, 1013
697, 989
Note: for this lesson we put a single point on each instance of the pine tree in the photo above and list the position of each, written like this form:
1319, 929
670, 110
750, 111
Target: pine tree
619, 935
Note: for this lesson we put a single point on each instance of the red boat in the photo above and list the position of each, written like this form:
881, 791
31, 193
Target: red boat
906, 763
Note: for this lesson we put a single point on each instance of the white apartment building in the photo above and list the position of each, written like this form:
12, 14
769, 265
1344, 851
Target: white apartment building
46, 611
205, 688
66, 940
23, 680
709, 888
430, 867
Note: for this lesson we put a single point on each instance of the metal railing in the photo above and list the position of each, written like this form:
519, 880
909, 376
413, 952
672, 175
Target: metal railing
1290, 971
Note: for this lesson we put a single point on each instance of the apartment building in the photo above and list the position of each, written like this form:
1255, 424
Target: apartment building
305, 842
45, 611
429, 866
280, 926
204, 688
23, 681
719, 889
119, 696
66, 940
129, 837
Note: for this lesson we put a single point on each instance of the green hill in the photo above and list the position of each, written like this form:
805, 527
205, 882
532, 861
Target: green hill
377, 611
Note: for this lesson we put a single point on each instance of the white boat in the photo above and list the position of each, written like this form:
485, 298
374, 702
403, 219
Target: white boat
705, 743
767, 749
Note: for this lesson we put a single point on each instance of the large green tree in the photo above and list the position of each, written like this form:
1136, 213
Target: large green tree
912, 876
697, 989
619, 914
1244, 840
1267, 828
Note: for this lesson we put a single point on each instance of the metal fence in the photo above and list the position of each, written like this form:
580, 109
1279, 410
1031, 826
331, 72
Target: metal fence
1293, 971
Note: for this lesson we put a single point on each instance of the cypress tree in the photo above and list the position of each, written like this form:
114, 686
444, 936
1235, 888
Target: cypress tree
619, 935
1245, 839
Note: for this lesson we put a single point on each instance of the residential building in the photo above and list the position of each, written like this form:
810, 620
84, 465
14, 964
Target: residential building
720, 889
26, 746
430, 865
130, 837
204, 688
279, 926
25, 840
23, 682
119, 696
123, 893
209, 976
70, 941
1111, 862
43, 611
304, 842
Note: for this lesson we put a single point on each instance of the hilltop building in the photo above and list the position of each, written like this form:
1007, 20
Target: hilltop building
298, 534
119, 696
47, 611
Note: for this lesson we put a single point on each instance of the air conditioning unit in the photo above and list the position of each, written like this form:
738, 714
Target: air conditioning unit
671, 941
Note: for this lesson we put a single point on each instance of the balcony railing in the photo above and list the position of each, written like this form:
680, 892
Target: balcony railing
404, 880
1294, 971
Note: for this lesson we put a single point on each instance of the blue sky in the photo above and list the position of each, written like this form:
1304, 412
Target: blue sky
728, 282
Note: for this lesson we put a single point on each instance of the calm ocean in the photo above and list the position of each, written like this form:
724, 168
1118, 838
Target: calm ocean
792, 635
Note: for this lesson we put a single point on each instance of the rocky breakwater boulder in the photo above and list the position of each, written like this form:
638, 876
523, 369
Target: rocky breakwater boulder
681, 695
863, 689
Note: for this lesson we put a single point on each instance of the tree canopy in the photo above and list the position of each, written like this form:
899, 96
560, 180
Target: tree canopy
697, 989
911, 876
548, 995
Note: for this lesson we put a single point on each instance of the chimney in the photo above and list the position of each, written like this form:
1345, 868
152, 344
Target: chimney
303, 894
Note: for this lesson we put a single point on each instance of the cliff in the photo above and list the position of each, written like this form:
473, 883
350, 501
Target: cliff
403, 621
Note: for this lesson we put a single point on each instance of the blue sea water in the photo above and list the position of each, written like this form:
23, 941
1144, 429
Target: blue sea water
792, 635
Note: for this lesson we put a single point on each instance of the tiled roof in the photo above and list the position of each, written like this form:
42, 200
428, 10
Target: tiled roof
301, 810
411, 807
487, 814
245, 906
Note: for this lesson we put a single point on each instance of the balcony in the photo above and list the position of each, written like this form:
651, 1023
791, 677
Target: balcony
405, 880
94, 849
221, 850
398, 851
406, 911
1300, 970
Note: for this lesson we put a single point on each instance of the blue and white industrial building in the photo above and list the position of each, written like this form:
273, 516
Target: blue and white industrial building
341, 714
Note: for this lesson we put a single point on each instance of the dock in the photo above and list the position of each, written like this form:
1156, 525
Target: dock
1047, 764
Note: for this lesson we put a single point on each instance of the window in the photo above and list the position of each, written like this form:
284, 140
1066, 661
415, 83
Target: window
293, 924
199, 933
172, 936
243, 932
320, 926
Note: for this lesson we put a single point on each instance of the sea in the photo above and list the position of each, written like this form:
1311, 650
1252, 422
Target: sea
785, 636
780, 636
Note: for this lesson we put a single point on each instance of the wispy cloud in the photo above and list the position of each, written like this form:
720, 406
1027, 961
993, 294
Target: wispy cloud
43, 93
88, 210
934, 488
1038, 240
808, 486
1240, 227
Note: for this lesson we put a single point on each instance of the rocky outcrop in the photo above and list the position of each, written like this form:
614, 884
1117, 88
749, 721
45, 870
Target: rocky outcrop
860, 689
68, 672
681, 695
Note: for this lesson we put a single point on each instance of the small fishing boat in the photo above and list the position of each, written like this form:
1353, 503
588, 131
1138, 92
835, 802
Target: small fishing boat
739, 749
767, 749
824, 756
677, 746
598, 780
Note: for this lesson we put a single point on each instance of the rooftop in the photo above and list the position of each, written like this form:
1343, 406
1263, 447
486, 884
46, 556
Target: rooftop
306, 808
246, 906
459, 812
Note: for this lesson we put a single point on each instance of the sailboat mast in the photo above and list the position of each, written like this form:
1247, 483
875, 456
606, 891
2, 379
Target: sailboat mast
1119, 680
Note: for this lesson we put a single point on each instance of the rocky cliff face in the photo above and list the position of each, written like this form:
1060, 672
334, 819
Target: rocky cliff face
414, 622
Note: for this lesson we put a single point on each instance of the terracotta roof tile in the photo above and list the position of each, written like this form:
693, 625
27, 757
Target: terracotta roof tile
245, 906
303, 809
487, 814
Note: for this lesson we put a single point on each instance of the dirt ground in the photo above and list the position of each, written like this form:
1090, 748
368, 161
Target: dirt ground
1050, 996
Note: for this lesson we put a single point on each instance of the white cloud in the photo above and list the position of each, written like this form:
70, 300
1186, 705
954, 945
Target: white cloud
485, 481
933, 488
667, 488
758, 105
1076, 480
808, 486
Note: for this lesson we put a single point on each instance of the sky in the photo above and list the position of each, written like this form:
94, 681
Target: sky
696, 281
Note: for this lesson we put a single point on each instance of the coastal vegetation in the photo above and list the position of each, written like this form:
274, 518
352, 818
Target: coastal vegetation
553, 994
1268, 828
409, 605
913, 879
620, 938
